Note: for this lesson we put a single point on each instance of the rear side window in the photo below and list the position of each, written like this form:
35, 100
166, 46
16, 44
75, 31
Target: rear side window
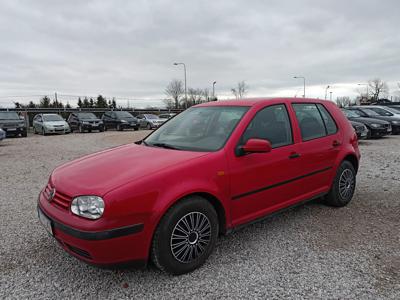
330, 124
310, 121
271, 123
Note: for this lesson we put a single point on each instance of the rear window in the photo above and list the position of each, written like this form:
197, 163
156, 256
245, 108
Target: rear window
314, 121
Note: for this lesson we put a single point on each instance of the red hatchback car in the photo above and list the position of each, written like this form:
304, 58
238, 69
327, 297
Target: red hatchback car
208, 171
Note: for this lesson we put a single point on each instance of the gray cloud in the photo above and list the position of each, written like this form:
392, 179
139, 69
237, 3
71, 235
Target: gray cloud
127, 48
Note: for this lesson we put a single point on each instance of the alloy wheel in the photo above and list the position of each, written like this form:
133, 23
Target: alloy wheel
346, 184
190, 237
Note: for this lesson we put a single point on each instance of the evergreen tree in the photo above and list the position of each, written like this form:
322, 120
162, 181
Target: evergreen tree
44, 102
80, 103
86, 103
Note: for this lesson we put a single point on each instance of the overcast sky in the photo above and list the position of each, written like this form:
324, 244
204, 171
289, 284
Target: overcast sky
127, 48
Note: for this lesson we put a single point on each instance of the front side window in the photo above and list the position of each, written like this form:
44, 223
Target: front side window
310, 121
380, 111
198, 128
271, 123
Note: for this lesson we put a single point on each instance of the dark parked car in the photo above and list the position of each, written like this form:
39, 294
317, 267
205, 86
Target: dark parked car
376, 128
360, 129
395, 107
85, 121
150, 121
12, 124
119, 120
369, 113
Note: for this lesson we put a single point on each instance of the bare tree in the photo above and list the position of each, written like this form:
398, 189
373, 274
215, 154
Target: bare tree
169, 103
377, 87
240, 90
343, 101
175, 90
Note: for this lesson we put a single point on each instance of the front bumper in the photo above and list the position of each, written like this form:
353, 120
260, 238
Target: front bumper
103, 248
92, 126
130, 125
14, 131
59, 130
379, 132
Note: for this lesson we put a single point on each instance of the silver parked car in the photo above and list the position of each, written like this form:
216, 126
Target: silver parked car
50, 123
2, 134
150, 121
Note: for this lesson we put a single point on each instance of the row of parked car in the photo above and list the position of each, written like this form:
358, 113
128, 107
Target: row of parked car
371, 121
11, 124
374, 121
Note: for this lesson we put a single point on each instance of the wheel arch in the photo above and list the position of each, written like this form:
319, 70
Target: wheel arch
353, 160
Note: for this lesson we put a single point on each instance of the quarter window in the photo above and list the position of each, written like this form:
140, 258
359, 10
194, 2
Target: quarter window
271, 123
330, 124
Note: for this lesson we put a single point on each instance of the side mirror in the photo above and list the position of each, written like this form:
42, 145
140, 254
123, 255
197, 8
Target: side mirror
255, 146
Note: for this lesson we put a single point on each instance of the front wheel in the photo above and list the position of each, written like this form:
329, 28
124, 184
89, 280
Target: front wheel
343, 186
148, 126
185, 237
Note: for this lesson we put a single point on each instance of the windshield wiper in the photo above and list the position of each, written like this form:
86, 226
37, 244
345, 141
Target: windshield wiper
164, 145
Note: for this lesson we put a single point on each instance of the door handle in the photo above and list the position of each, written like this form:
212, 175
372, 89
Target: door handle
336, 143
294, 155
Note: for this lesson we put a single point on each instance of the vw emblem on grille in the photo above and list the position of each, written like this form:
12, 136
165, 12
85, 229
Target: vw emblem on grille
51, 194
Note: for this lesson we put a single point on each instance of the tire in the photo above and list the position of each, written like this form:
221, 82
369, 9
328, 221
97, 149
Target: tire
136, 128
101, 129
80, 129
199, 243
148, 126
343, 187
119, 127
43, 131
369, 134
24, 133
34, 130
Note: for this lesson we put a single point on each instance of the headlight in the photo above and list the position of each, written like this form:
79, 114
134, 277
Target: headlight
100, 122
124, 121
395, 122
375, 125
91, 207
85, 122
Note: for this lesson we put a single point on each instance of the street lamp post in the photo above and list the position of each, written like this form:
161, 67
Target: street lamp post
330, 96
367, 88
304, 84
184, 70
326, 91
213, 94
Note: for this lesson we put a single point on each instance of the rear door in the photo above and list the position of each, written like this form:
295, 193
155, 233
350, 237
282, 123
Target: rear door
265, 182
319, 148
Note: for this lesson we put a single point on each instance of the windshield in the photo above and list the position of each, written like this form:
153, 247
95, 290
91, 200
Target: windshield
370, 112
86, 116
382, 112
123, 114
350, 113
151, 116
8, 115
50, 118
395, 109
198, 128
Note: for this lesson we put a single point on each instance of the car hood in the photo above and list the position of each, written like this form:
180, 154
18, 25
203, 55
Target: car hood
55, 123
368, 120
104, 171
14, 121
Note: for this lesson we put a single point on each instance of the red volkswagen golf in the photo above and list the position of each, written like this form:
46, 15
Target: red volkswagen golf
209, 170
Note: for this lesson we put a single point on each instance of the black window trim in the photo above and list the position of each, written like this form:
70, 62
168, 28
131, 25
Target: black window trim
298, 124
333, 119
290, 124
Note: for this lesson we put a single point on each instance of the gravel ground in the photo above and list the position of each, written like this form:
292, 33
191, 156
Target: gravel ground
312, 251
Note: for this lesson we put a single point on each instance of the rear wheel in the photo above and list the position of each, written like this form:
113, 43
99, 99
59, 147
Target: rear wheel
343, 186
43, 131
119, 127
185, 237
80, 129
34, 130
24, 133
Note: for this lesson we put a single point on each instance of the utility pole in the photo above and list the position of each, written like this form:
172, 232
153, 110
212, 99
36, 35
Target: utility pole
304, 84
184, 70
326, 91
213, 94
330, 97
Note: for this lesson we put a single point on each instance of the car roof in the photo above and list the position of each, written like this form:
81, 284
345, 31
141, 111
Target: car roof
261, 101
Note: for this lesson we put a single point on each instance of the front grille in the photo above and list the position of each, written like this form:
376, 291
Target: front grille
59, 200
78, 251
